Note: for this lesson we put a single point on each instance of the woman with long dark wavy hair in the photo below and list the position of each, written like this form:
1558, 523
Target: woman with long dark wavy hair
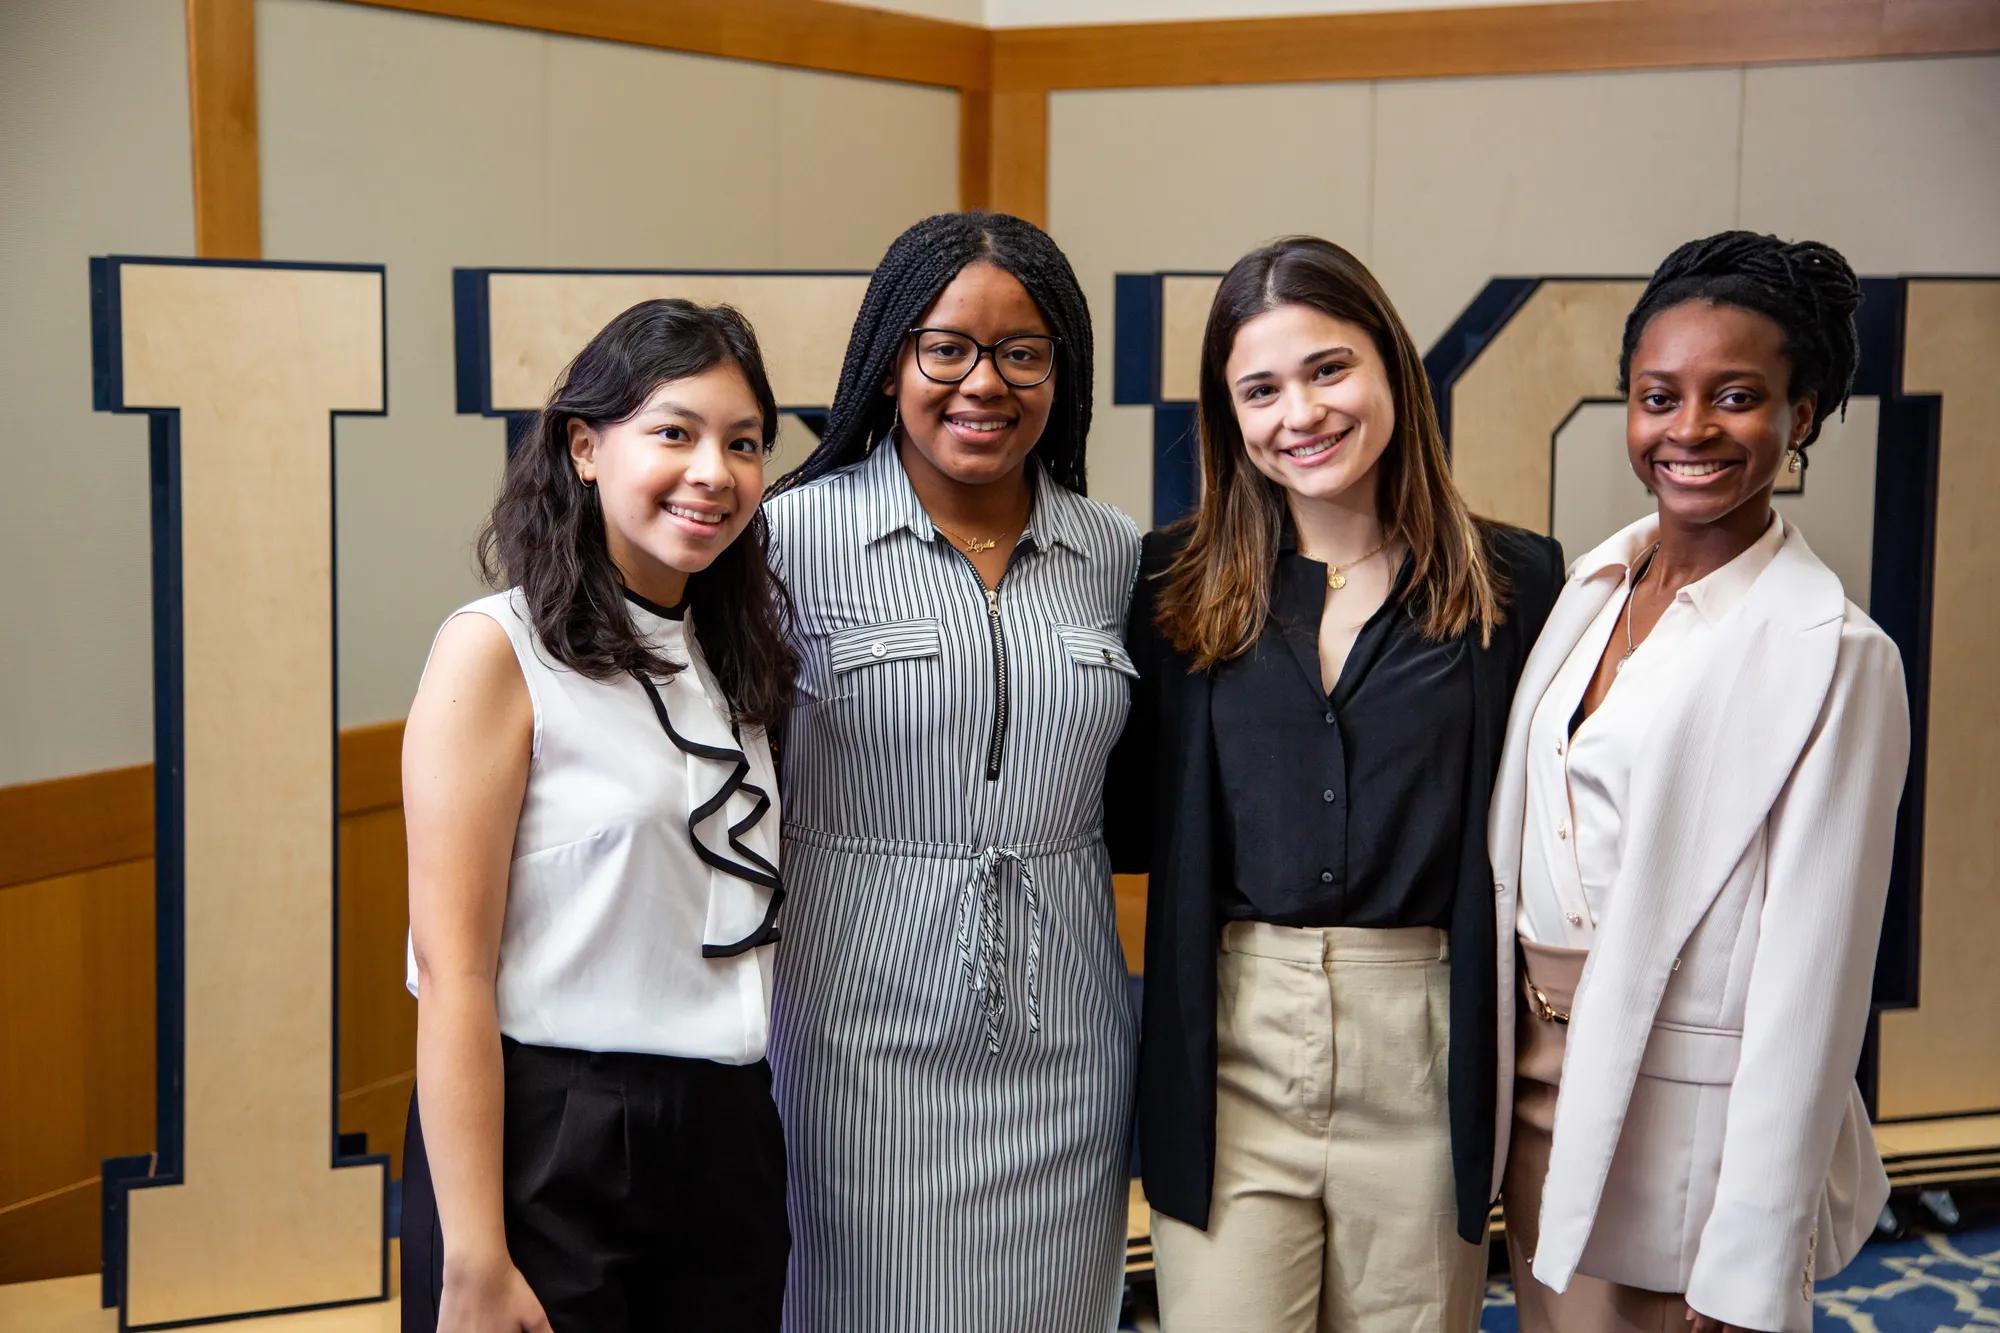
593, 865
1326, 652
952, 1040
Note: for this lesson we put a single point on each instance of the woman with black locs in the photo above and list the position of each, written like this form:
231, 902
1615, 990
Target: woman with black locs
593, 1144
1699, 797
953, 1040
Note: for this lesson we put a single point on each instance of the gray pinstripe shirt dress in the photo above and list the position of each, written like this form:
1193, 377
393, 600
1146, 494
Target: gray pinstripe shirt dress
951, 1036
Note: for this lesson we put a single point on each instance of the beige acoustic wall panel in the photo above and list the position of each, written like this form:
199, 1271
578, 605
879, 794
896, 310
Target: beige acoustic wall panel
858, 160
654, 158
93, 160
256, 361
1943, 1057
417, 143
1146, 180
1574, 174
434, 144
1896, 163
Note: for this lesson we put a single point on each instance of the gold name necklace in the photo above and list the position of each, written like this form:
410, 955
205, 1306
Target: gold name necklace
972, 545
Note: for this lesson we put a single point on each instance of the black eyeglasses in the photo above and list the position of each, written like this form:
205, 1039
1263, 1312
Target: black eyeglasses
946, 356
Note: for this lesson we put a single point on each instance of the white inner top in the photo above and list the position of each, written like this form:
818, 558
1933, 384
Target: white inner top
1573, 841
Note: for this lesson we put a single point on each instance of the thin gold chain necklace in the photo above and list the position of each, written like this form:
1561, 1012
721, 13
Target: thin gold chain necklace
1336, 574
972, 545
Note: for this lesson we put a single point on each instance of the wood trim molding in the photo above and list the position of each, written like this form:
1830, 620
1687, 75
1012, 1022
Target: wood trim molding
222, 116
1525, 39
371, 768
975, 148
1003, 152
68, 825
1018, 159
804, 34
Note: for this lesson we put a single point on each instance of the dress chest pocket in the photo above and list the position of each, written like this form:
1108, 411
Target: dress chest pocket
850, 652
1094, 648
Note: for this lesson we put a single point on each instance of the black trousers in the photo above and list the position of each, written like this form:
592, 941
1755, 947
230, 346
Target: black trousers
641, 1192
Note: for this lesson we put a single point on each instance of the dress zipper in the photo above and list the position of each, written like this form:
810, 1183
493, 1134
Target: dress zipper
999, 685
997, 743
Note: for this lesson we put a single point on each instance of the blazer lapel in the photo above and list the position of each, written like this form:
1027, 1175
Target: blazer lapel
1705, 780
1579, 604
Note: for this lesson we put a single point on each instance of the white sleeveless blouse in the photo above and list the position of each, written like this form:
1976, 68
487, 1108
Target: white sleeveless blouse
642, 899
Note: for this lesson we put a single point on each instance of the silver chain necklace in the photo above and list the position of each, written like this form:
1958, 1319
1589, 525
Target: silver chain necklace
1645, 568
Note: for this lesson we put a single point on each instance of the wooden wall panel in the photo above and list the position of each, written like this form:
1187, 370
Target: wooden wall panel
1510, 39
1018, 156
76, 1057
1129, 896
807, 34
66, 825
378, 1017
52, 1235
77, 991
222, 109
975, 148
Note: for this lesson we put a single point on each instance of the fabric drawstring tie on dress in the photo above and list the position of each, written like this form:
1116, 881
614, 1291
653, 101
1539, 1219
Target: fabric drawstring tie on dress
982, 939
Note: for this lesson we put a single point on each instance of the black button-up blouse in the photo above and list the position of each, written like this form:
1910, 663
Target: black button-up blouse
1342, 809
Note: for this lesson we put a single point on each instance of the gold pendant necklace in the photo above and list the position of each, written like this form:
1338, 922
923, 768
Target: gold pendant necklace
1336, 575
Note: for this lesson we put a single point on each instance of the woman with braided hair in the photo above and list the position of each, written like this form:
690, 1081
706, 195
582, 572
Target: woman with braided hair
1698, 796
952, 1040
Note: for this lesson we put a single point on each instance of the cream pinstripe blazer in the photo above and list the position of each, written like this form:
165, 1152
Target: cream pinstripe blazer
1709, 1137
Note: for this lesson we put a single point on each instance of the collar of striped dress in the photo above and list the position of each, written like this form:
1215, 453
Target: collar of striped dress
888, 503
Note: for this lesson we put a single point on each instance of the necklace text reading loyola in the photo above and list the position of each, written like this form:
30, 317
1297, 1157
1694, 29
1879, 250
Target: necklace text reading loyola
974, 545
1336, 575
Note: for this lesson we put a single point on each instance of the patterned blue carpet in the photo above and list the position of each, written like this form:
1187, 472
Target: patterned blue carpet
1920, 1285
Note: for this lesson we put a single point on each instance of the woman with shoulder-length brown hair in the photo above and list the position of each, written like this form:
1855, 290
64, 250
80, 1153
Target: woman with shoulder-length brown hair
1327, 649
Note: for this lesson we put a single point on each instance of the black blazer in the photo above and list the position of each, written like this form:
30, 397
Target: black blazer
1161, 812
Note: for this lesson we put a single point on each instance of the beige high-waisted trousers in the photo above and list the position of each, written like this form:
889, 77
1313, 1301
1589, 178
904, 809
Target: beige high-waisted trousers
1334, 1209
1591, 1305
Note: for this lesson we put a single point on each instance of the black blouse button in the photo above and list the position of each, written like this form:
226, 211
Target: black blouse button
1329, 717
1326, 877
1328, 796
